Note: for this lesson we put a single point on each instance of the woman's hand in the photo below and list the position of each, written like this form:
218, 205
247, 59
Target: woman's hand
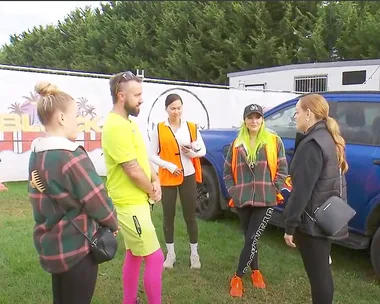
186, 149
177, 172
117, 231
289, 240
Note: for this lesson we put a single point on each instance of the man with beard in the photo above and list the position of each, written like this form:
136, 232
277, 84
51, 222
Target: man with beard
132, 184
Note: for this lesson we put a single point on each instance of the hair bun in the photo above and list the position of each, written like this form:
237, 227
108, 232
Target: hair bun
46, 89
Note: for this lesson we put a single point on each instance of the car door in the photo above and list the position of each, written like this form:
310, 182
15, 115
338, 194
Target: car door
281, 120
359, 120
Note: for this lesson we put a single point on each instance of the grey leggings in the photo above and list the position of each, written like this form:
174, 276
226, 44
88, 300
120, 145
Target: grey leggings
188, 197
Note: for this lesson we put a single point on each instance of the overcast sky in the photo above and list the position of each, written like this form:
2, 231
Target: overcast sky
19, 16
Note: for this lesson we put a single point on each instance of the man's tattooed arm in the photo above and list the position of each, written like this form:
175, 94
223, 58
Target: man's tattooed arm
137, 175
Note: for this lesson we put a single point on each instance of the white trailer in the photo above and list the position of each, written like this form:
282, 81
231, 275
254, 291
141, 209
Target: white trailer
356, 75
210, 106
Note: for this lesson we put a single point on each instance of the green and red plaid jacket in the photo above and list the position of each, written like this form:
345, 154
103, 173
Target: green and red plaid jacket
254, 185
73, 183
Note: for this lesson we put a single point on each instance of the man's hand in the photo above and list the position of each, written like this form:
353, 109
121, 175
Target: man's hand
155, 195
3, 188
156, 186
289, 240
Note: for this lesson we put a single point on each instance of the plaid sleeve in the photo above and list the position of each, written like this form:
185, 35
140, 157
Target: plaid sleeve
82, 180
282, 166
227, 170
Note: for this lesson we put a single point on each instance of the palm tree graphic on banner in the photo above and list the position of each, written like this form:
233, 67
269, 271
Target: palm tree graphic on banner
84, 108
29, 106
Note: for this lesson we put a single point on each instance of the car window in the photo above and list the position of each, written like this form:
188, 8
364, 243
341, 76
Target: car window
283, 123
359, 122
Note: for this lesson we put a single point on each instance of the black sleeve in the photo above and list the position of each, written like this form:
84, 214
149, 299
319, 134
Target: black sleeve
308, 168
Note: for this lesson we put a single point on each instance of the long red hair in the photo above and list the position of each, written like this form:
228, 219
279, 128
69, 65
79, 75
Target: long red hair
320, 107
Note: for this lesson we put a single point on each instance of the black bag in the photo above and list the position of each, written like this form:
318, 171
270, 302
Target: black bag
103, 244
333, 214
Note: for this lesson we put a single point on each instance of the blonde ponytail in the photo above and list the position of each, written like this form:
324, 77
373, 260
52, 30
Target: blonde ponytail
333, 128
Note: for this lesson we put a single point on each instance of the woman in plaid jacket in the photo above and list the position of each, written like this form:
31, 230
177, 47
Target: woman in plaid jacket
72, 187
255, 170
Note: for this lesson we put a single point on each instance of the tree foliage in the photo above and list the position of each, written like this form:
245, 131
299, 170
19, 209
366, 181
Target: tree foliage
200, 41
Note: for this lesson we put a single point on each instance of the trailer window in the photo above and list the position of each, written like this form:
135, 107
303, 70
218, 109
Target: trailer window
308, 84
353, 77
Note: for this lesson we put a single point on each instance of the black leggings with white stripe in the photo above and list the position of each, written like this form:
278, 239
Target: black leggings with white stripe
253, 221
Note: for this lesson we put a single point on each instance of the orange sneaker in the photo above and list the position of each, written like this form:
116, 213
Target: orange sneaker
257, 279
236, 287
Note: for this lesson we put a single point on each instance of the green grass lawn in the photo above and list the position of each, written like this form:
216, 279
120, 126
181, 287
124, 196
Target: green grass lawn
23, 281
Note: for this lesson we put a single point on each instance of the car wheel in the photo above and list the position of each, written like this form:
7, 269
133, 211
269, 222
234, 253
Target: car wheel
375, 252
208, 202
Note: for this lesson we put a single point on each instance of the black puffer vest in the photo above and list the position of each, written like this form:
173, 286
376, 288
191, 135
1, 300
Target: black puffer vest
328, 183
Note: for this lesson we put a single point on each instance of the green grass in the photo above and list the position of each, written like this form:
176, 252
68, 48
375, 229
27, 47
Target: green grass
23, 281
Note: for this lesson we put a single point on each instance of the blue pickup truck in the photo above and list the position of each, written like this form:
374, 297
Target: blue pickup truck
358, 114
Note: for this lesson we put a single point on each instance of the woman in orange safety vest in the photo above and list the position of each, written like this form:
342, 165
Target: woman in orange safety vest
176, 146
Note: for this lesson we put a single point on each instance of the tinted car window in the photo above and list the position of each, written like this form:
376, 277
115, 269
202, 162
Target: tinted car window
283, 123
359, 122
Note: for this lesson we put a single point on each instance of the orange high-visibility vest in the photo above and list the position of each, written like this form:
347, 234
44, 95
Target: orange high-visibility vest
169, 150
271, 154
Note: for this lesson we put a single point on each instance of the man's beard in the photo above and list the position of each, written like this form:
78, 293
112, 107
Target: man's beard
134, 111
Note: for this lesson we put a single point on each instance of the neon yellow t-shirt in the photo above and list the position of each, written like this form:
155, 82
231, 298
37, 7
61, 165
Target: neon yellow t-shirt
122, 141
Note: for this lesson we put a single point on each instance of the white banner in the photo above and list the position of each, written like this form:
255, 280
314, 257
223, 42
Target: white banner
19, 125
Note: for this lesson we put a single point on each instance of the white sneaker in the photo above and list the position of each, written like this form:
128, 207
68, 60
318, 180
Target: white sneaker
170, 260
195, 262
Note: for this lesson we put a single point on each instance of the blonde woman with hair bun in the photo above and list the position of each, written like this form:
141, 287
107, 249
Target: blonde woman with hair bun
72, 187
